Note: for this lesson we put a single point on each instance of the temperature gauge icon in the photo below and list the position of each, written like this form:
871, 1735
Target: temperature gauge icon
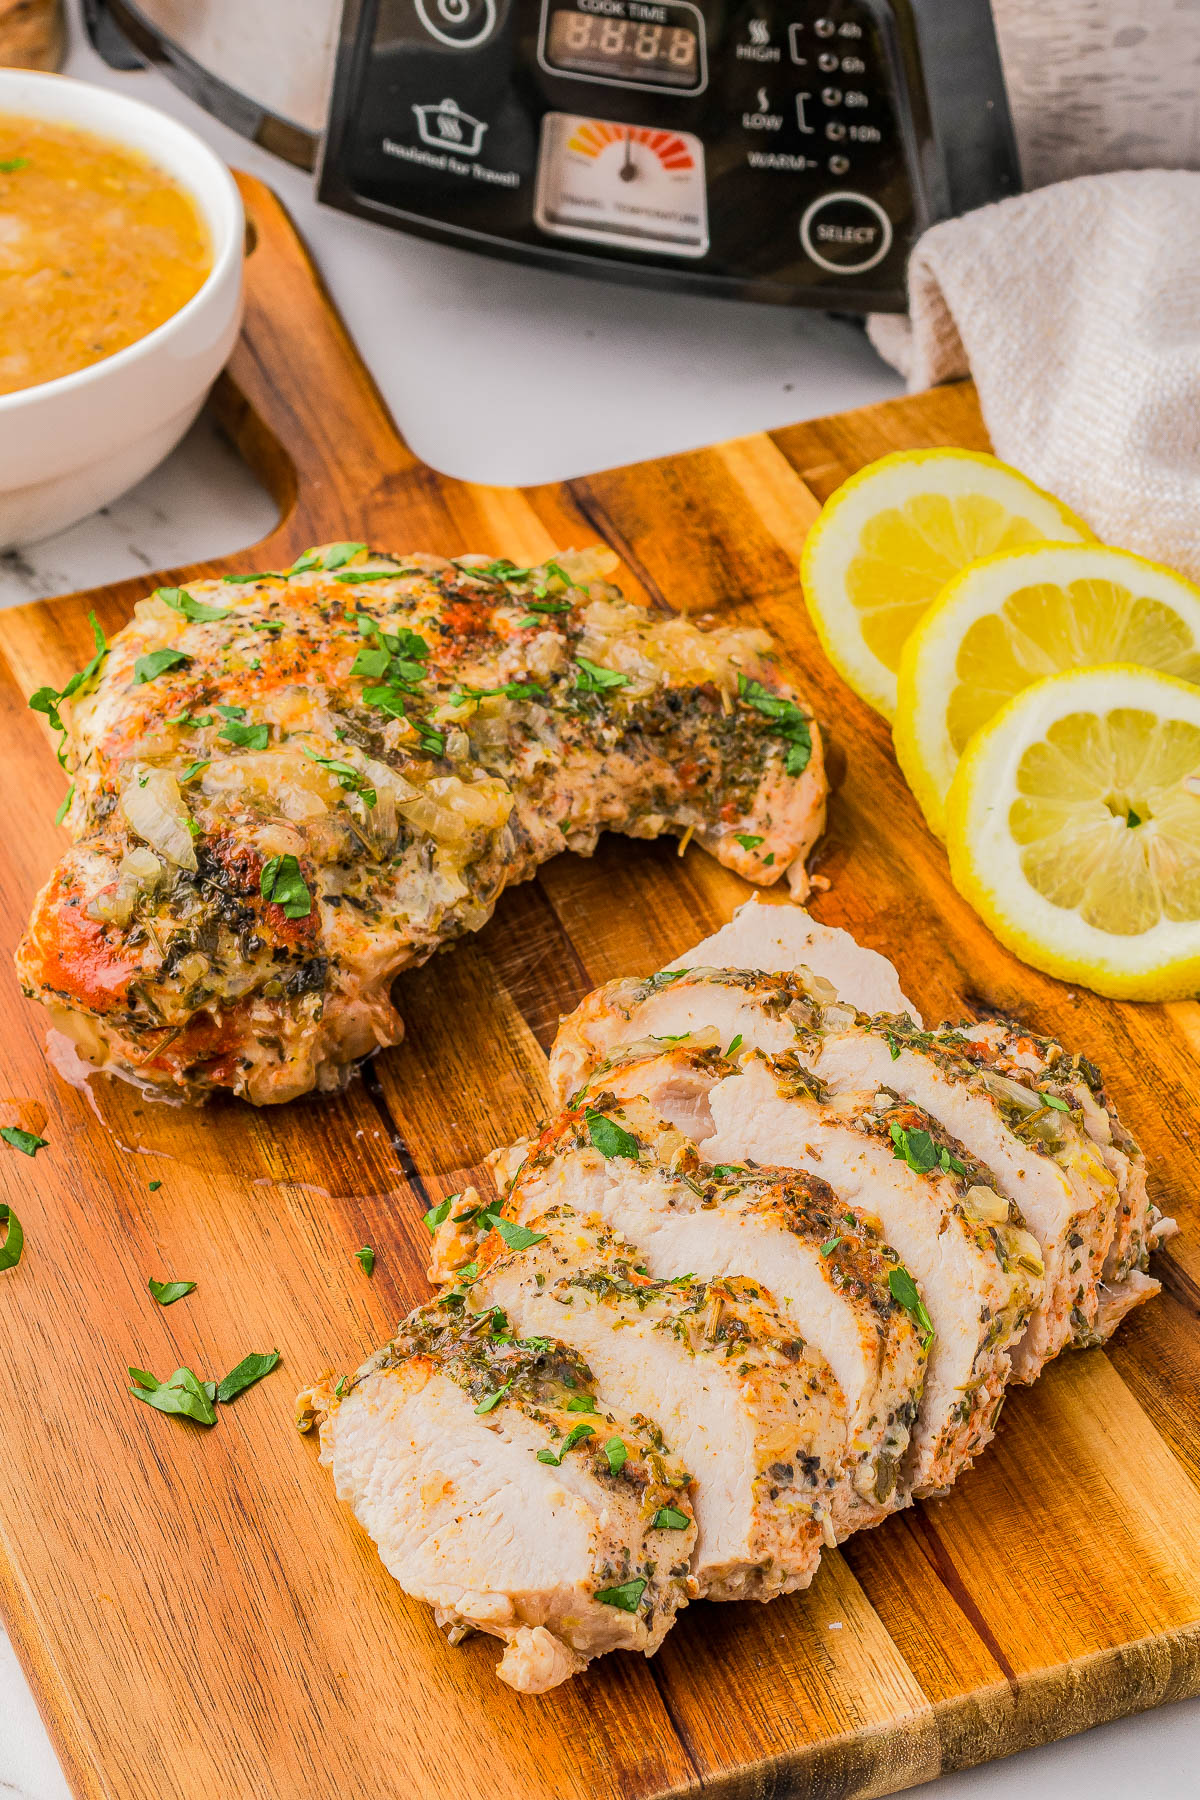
632, 185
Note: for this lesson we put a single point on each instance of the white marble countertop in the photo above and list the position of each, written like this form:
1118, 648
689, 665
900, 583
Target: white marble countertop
555, 376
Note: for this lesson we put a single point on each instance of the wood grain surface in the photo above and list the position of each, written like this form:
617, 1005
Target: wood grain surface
200, 1618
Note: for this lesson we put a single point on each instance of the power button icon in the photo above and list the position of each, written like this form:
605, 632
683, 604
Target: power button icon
459, 23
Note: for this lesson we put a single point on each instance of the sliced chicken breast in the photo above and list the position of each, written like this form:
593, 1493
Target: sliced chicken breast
977, 1271
712, 1007
1137, 1227
826, 1270
458, 1450
753, 1411
782, 937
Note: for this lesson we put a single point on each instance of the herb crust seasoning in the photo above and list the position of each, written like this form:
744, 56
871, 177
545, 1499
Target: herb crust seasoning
288, 787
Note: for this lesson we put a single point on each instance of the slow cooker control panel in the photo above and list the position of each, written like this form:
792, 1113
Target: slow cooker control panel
771, 147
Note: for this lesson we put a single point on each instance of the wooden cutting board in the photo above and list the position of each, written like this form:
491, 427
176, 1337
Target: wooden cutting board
198, 1615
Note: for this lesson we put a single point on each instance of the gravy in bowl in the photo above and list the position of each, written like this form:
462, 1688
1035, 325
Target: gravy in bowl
97, 248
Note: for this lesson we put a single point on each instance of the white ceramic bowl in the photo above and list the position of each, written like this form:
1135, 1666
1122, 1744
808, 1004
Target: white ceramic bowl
70, 445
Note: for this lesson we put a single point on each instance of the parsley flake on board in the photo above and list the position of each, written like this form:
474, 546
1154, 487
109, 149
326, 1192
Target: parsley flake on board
283, 885
609, 1138
181, 1393
791, 724
157, 662
14, 1241
669, 1518
592, 679
27, 1142
252, 1368
903, 1288
518, 1237
575, 1436
196, 611
628, 1597
168, 1292
366, 1256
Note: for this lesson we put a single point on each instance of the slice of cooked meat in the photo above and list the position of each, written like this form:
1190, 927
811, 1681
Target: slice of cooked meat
778, 938
751, 1409
976, 1269
710, 1007
288, 789
458, 1448
826, 1270
1138, 1227
1040, 1157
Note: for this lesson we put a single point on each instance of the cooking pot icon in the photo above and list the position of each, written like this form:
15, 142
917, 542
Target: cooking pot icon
447, 127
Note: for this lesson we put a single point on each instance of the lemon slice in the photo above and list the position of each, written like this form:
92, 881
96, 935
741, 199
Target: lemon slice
890, 539
1073, 826
1016, 618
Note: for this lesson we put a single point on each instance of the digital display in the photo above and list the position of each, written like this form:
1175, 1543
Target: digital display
624, 49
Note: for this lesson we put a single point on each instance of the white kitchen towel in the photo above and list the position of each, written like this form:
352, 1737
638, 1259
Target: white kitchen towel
1077, 311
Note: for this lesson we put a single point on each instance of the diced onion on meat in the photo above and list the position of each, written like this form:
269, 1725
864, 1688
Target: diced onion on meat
138, 872
154, 809
452, 811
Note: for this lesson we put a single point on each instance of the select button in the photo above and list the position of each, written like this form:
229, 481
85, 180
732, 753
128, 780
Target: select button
846, 233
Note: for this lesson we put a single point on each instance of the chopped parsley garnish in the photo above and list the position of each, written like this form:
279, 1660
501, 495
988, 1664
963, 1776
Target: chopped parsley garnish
338, 555
261, 575
437, 1215
181, 1393
14, 1240
283, 885
385, 699
893, 1046
310, 560
1052, 1100
735, 1045
669, 1518
432, 742
617, 1454
194, 769
246, 737
157, 662
592, 679
366, 1256
575, 1436
727, 1171
201, 720
830, 1245
627, 1597
747, 840
349, 779
180, 601
922, 1155
357, 575
1132, 818
64, 804
493, 1399
904, 1289
27, 1142
168, 1292
512, 690
582, 1403
372, 660
10, 164
609, 1138
518, 1237
252, 1368
790, 723
48, 701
